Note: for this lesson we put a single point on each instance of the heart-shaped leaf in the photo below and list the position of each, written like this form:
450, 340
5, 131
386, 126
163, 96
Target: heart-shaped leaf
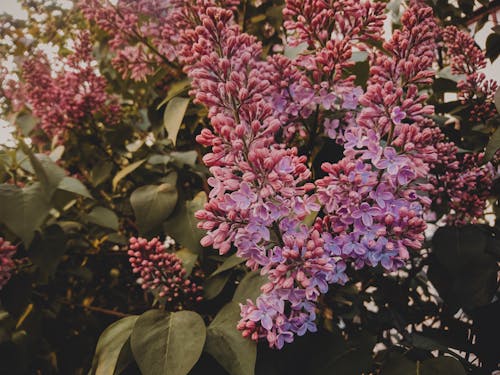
167, 343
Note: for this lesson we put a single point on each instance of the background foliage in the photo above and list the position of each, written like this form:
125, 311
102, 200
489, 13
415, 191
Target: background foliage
71, 204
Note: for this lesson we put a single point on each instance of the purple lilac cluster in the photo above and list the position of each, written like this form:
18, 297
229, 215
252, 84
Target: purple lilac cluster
372, 198
162, 272
260, 189
7, 265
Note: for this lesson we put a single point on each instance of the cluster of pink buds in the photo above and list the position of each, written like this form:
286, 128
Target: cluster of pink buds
160, 271
7, 251
468, 59
66, 98
461, 184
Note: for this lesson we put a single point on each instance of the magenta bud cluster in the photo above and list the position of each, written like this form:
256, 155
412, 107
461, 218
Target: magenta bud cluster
160, 271
7, 265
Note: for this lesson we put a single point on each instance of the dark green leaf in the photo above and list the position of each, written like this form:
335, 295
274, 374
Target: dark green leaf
214, 285
182, 225
249, 287
229, 263
125, 171
103, 217
188, 259
101, 172
23, 210
74, 186
226, 344
174, 114
110, 345
153, 204
167, 343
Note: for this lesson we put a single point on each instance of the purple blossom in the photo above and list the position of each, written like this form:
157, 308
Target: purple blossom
365, 212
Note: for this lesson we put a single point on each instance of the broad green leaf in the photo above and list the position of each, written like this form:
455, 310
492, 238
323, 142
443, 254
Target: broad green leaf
175, 89
26, 123
23, 210
153, 204
184, 157
125, 171
229, 263
167, 343
182, 225
110, 345
493, 145
48, 173
443, 365
103, 217
125, 358
214, 285
101, 172
74, 186
174, 114
226, 344
249, 287
188, 259
47, 251
57, 153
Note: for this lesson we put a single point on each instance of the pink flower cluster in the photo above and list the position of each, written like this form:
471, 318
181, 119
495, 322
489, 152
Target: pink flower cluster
467, 59
7, 251
146, 34
162, 272
66, 98
369, 206
461, 184
372, 209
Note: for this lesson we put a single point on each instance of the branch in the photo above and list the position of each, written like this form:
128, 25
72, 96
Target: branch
492, 7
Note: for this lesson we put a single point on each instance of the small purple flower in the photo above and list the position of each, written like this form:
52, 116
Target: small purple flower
366, 213
331, 126
397, 115
392, 161
244, 197
381, 195
351, 98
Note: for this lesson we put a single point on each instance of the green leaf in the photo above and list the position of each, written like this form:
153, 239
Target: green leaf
229, 263
183, 225
175, 89
444, 365
153, 204
110, 345
174, 114
23, 210
103, 217
48, 173
214, 285
125, 358
46, 252
493, 145
167, 343
74, 186
226, 344
182, 158
100, 172
188, 259
26, 123
249, 287
125, 171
